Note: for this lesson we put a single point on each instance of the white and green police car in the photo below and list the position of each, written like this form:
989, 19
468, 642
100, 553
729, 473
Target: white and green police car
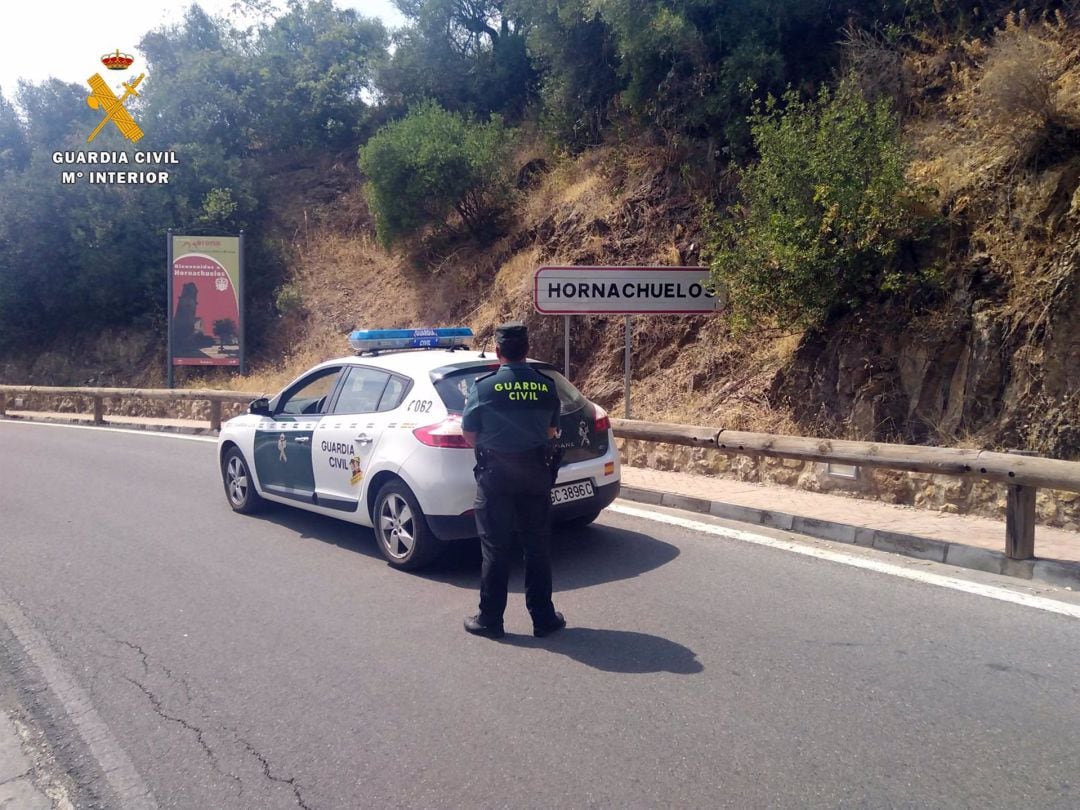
375, 439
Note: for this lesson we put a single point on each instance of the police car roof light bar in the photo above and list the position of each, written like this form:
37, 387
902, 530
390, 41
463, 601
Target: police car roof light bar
376, 340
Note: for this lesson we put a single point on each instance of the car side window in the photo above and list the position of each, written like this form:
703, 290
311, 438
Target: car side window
310, 395
361, 391
394, 393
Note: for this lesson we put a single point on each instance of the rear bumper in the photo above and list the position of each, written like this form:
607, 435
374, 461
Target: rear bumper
575, 509
459, 527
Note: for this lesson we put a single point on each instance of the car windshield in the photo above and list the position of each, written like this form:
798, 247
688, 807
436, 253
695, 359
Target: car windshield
454, 385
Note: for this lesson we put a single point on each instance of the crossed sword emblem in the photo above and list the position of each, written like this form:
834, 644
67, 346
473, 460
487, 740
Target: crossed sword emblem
104, 99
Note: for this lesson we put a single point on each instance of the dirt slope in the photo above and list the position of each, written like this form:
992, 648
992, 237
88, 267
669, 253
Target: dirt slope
992, 361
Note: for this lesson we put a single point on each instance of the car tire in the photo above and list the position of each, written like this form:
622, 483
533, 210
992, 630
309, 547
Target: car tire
239, 484
402, 530
579, 522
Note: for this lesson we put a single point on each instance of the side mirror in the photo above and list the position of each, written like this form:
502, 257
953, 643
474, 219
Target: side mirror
260, 407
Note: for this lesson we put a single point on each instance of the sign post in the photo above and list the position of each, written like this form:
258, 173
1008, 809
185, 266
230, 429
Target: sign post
626, 370
622, 291
240, 305
566, 346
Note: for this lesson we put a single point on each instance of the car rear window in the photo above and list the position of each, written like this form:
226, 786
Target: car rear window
454, 386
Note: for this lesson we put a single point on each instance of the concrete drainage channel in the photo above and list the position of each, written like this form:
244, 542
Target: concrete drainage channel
1050, 572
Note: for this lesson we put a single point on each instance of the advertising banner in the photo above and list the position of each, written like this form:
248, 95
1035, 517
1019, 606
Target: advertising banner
205, 292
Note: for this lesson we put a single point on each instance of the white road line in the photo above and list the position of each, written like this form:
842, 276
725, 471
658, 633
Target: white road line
150, 432
119, 771
978, 589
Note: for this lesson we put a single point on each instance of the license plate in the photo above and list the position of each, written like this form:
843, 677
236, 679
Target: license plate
575, 491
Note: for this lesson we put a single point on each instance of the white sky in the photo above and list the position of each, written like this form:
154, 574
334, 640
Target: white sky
66, 38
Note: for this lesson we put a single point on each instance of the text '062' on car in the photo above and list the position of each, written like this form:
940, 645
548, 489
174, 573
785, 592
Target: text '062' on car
376, 439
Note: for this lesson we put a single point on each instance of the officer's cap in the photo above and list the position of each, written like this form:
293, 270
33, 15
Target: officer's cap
512, 335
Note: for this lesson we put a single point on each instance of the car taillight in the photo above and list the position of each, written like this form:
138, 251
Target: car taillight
603, 423
444, 434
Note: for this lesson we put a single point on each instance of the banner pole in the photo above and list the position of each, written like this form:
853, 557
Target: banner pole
240, 301
168, 306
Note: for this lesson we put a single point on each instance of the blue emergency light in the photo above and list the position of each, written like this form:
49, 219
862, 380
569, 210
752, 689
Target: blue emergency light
373, 340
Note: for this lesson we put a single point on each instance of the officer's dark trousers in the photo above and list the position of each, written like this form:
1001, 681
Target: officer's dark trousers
509, 501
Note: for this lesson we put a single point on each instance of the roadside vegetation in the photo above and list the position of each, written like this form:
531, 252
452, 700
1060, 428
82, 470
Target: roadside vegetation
903, 168
823, 213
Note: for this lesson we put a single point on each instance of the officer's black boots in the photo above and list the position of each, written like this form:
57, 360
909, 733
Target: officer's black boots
546, 629
477, 628
474, 626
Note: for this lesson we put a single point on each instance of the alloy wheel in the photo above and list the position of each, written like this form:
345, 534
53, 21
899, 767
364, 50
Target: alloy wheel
396, 526
236, 480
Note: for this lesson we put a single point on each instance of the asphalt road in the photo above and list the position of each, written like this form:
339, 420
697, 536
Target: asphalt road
221, 661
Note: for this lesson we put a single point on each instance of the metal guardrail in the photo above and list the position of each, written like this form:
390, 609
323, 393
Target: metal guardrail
1022, 474
99, 395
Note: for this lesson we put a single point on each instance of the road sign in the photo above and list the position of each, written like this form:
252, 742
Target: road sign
623, 290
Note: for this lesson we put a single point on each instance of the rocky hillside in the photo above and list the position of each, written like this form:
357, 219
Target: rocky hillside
992, 360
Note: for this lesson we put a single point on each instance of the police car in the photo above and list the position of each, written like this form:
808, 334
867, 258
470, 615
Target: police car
376, 439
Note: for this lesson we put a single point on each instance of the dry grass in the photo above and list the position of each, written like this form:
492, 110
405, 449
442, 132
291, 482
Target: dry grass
685, 369
575, 184
1013, 101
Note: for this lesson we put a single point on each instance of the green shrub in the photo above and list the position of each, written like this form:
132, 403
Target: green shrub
824, 211
432, 163
288, 299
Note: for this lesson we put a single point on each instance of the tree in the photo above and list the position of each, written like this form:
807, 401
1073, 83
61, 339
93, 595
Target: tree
575, 54
225, 331
314, 65
825, 211
49, 107
468, 55
434, 162
14, 149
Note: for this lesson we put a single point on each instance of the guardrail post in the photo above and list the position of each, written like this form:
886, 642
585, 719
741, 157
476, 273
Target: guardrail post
215, 414
3, 404
1020, 518
99, 417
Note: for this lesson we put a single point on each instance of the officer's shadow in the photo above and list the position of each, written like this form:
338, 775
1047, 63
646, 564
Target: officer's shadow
615, 650
580, 558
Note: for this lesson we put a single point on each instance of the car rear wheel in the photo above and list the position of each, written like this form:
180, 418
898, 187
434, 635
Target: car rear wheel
239, 487
401, 529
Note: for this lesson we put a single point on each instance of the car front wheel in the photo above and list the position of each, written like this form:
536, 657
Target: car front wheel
239, 488
401, 529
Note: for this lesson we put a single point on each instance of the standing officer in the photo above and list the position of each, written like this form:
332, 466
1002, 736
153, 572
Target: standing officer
510, 415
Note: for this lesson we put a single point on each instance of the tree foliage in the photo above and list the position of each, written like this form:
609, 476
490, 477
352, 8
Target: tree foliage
468, 55
825, 211
237, 101
434, 162
230, 103
576, 58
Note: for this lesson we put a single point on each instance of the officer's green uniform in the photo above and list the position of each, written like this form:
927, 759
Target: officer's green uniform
511, 410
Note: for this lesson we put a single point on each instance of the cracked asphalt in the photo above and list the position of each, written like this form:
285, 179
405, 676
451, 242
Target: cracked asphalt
277, 662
